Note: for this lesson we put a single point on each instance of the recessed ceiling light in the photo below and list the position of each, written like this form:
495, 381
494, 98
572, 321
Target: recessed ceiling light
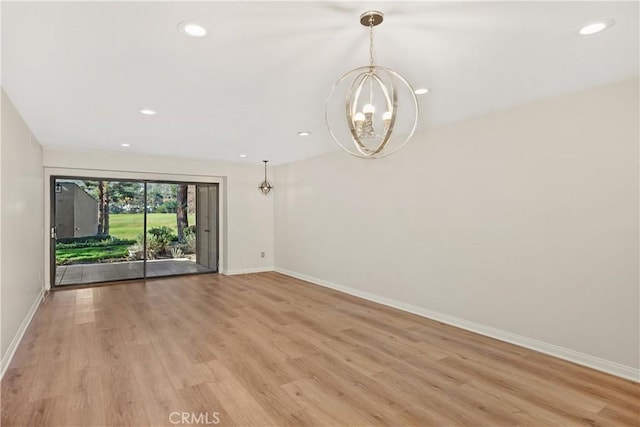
147, 112
124, 144
304, 133
594, 27
421, 91
192, 29
243, 155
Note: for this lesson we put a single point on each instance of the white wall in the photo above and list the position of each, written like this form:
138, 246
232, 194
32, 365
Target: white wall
22, 225
246, 215
522, 223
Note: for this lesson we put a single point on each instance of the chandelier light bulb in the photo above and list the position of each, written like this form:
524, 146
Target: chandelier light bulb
359, 117
368, 109
387, 115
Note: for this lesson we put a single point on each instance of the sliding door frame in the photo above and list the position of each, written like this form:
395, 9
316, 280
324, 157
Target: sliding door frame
50, 233
54, 174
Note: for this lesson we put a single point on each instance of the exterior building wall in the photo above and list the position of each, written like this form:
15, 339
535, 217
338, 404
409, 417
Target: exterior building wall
76, 212
64, 212
85, 214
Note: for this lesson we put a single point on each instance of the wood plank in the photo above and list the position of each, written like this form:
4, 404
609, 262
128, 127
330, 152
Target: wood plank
235, 399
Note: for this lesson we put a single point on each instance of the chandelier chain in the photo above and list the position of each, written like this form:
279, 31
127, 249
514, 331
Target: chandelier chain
371, 41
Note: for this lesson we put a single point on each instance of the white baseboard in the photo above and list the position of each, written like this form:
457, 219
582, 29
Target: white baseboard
247, 271
583, 359
11, 351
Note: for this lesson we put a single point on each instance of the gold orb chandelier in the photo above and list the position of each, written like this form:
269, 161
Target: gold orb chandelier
371, 111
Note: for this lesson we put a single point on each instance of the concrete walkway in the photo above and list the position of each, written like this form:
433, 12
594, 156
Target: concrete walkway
81, 274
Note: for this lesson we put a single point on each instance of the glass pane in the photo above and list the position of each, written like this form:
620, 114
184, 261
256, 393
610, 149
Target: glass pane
99, 224
171, 230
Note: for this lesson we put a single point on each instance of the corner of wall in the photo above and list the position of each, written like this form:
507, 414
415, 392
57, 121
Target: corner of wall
22, 223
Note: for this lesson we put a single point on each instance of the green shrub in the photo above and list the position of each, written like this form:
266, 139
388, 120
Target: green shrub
163, 233
158, 239
94, 244
176, 252
189, 231
156, 245
188, 245
137, 253
83, 239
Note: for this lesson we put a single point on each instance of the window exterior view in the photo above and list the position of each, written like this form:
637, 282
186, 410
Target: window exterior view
109, 230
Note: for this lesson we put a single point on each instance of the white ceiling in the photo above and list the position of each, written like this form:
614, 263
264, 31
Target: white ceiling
79, 71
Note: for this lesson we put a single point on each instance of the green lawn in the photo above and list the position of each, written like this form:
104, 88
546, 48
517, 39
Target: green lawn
90, 254
121, 226
129, 226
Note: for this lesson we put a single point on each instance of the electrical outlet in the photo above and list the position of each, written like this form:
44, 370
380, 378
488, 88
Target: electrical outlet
262, 254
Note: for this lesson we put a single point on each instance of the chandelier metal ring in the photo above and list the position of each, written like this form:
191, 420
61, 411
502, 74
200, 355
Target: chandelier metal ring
378, 152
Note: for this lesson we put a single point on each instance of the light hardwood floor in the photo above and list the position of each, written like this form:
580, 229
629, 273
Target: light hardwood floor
266, 349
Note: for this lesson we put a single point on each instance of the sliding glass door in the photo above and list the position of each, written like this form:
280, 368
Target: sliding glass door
106, 230
172, 230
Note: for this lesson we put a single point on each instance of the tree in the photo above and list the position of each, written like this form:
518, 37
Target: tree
161, 197
103, 207
181, 210
110, 193
126, 196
